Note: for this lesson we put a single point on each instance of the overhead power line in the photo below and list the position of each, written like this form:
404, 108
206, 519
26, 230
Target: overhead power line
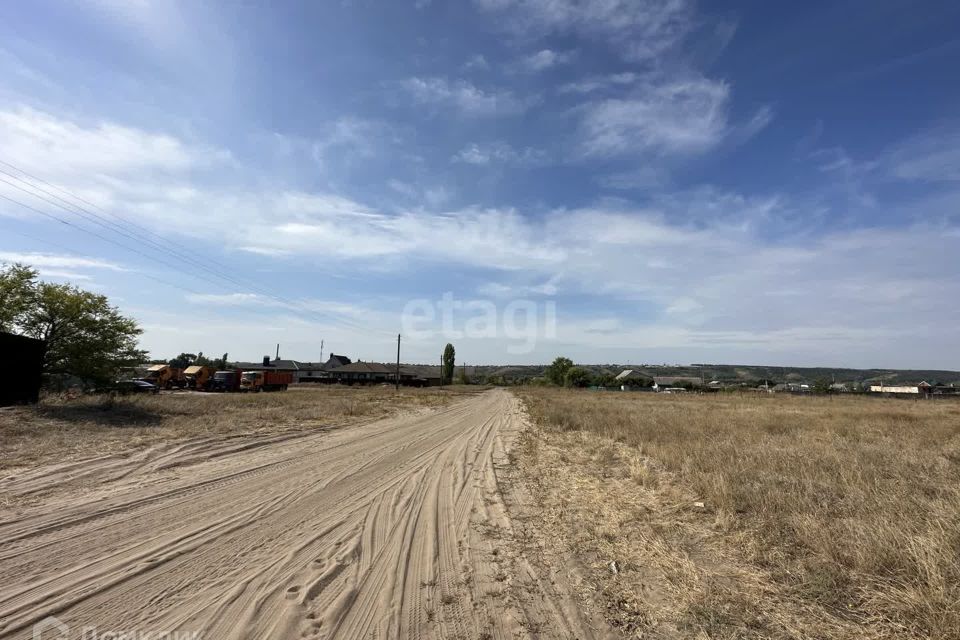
138, 234
62, 247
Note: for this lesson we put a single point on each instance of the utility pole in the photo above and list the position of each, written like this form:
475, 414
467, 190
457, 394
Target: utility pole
398, 363
321, 351
278, 351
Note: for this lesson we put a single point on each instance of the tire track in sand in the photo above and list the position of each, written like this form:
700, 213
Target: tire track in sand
382, 530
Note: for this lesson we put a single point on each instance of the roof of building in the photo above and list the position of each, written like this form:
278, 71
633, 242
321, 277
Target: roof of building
337, 361
366, 367
631, 373
281, 365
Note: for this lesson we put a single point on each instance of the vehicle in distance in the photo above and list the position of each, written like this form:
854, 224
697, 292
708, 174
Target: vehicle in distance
225, 380
165, 376
125, 387
265, 380
197, 377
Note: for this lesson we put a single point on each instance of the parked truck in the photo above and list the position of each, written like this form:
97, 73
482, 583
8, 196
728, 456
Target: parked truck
225, 380
198, 377
265, 380
164, 376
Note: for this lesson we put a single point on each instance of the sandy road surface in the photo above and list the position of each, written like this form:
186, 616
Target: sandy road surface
392, 529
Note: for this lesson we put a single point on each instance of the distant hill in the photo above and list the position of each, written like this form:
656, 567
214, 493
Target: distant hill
731, 373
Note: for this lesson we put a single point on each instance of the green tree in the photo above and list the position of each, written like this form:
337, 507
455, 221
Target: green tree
556, 373
185, 360
83, 334
17, 293
577, 377
606, 380
822, 385
449, 363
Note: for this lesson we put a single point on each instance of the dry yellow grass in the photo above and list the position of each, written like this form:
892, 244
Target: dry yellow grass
60, 429
821, 518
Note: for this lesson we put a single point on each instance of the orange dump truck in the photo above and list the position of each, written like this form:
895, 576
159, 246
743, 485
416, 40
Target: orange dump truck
198, 377
265, 380
165, 377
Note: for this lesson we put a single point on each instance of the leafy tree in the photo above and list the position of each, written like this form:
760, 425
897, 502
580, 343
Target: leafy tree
577, 377
83, 334
822, 385
449, 362
222, 362
185, 360
606, 380
17, 293
556, 373
463, 378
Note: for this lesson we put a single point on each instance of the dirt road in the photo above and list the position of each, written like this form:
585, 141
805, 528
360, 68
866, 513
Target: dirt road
400, 528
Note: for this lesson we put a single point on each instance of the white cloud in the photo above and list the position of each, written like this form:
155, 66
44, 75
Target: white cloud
757, 123
58, 261
501, 153
232, 299
476, 62
676, 117
639, 30
40, 142
930, 156
546, 59
640, 178
464, 97
599, 83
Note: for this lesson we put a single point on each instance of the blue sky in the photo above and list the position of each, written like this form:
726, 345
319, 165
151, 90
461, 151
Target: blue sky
716, 182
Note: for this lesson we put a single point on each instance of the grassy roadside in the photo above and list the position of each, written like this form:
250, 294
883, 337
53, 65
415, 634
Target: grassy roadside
60, 429
755, 516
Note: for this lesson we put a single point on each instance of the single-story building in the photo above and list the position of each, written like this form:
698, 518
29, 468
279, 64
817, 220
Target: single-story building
921, 388
363, 373
378, 373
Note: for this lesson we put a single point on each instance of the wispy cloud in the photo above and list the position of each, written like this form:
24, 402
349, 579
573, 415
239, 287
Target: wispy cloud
639, 30
641, 178
546, 59
58, 261
34, 137
463, 97
676, 117
476, 62
930, 156
501, 153
600, 83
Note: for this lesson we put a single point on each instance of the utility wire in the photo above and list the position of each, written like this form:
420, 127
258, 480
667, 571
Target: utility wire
303, 314
72, 251
139, 237
110, 226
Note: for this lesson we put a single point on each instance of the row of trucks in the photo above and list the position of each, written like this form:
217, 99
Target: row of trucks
201, 378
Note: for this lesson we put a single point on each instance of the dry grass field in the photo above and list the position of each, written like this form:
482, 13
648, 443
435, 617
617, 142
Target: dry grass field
760, 516
61, 428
